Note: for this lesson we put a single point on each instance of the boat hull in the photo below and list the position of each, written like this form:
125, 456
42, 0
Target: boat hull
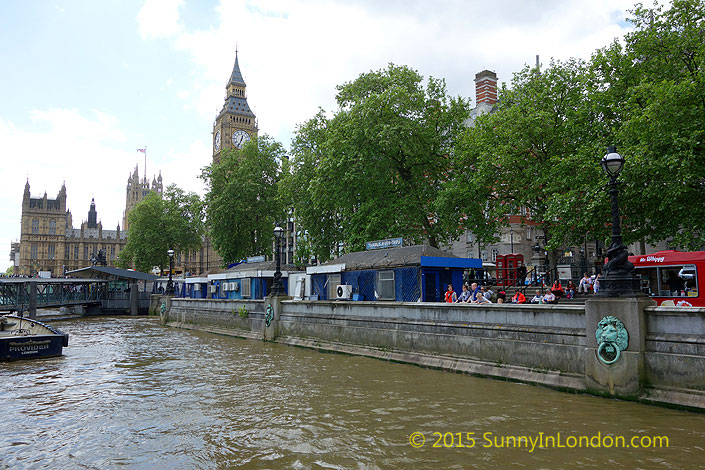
24, 338
30, 347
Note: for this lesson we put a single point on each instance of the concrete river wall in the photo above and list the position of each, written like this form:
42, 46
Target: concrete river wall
662, 360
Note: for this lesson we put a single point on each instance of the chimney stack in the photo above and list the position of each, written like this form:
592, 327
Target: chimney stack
486, 87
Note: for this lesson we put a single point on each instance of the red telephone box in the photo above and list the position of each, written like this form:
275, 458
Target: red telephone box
507, 268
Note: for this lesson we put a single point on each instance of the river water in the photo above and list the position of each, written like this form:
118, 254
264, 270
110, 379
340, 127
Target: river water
130, 393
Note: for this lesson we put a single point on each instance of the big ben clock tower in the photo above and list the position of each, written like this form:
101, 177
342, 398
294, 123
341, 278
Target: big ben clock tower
235, 124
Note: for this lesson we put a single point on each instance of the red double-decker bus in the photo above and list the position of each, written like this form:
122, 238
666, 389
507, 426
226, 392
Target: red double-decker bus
672, 277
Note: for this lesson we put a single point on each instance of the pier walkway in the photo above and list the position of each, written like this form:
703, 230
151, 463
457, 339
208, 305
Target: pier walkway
20, 294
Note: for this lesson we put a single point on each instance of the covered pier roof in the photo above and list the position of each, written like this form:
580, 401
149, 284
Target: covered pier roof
111, 274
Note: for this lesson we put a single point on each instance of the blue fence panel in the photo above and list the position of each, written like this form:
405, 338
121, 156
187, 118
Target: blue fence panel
407, 288
318, 285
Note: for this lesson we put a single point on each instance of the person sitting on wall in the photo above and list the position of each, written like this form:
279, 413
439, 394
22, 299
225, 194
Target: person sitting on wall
481, 299
464, 295
518, 298
451, 296
474, 291
487, 292
596, 284
501, 295
557, 289
550, 298
570, 290
584, 285
538, 298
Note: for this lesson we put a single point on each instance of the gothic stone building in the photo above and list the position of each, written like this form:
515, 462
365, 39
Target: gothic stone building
138, 190
48, 241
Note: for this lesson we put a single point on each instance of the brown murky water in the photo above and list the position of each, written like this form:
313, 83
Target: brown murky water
131, 394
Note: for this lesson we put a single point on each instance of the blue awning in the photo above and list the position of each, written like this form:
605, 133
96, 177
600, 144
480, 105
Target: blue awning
448, 262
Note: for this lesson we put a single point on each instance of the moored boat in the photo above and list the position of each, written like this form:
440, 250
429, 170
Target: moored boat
25, 338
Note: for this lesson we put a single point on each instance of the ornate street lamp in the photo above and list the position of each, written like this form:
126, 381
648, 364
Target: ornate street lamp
170, 284
277, 288
619, 277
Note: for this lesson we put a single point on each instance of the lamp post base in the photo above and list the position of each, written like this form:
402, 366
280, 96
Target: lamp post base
619, 286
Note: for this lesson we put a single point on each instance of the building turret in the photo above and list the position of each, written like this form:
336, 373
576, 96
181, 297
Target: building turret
92, 216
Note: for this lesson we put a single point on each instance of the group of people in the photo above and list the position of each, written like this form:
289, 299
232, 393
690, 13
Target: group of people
473, 294
589, 283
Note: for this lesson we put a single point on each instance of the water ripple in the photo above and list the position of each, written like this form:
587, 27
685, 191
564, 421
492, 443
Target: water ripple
130, 393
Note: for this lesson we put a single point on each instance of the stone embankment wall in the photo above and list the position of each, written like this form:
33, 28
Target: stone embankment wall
551, 345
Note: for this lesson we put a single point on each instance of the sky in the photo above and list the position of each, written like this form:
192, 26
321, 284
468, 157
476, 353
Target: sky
84, 84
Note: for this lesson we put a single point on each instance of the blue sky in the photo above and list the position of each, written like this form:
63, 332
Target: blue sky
86, 83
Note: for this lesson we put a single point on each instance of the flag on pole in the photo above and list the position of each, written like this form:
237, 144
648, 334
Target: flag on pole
144, 150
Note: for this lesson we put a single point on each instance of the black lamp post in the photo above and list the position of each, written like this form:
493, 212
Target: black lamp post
170, 284
277, 288
619, 277
511, 239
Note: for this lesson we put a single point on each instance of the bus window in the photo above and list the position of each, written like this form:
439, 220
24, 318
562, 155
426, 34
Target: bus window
648, 280
671, 284
669, 281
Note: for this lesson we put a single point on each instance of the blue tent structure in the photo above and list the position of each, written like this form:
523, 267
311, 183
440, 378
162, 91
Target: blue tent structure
404, 274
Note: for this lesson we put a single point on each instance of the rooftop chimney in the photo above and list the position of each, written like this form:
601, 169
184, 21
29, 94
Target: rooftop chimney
486, 87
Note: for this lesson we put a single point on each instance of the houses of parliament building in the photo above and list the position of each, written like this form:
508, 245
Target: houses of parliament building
50, 243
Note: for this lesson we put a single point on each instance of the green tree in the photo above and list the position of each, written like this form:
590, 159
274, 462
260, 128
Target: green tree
663, 135
316, 213
649, 98
528, 155
541, 149
242, 200
157, 224
374, 169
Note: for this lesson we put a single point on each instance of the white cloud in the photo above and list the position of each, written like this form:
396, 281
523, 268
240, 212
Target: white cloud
65, 145
159, 18
294, 53
183, 167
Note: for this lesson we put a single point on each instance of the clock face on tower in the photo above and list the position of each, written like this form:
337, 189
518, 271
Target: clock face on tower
240, 138
216, 142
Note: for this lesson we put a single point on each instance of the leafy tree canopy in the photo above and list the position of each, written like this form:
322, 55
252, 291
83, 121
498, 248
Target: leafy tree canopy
242, 200
540, 150
157, 224
373, 170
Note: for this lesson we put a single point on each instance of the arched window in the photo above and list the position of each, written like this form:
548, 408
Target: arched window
35, 225
52, 227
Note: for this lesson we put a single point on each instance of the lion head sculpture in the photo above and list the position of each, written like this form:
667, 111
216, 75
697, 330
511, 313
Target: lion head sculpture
612, 339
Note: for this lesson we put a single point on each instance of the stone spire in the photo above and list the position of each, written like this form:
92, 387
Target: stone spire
236, 76
92, 215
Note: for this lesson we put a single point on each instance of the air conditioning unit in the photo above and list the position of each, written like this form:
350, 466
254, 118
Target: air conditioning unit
344, 291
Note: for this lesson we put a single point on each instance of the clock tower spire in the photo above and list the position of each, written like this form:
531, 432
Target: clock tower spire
235, 124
